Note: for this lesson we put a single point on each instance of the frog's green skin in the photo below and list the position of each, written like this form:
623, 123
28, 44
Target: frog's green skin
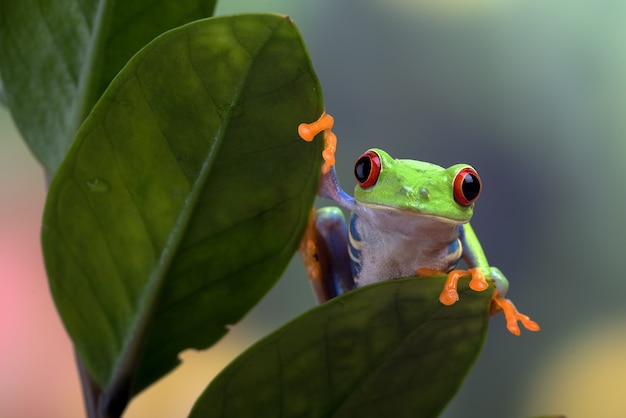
410, 218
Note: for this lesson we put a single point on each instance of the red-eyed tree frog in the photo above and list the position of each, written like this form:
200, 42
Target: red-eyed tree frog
408, 218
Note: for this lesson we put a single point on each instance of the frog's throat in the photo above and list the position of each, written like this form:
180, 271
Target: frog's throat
438, 218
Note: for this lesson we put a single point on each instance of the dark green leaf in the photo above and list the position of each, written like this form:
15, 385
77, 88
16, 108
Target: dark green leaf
386, 350
184, 195
57, 57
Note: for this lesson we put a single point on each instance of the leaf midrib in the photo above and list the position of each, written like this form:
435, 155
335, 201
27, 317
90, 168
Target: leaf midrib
148, 303
381, 363
90, 74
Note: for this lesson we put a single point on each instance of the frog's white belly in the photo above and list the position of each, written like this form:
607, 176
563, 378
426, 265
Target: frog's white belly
394, 244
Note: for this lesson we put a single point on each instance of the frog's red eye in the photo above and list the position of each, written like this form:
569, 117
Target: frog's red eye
466, 186
367, 169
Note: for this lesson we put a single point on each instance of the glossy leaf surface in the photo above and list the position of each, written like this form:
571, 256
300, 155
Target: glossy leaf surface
184, 195
390, 349
57, 57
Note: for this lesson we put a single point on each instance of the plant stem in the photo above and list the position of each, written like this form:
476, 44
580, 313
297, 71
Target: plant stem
91, 393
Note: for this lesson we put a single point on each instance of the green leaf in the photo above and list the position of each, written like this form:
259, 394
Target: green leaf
390, 349
57, 57
184, 195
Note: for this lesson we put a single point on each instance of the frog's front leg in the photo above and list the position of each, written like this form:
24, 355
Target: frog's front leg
329, 187
324, 123
480, 271
450, 295
475, 257
324, 247
324, 250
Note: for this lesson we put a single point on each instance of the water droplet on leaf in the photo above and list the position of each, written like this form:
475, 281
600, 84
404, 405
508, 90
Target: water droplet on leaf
98, 186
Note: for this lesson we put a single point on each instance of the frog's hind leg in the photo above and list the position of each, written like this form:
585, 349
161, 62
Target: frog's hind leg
324, 249
500, 304
512, 315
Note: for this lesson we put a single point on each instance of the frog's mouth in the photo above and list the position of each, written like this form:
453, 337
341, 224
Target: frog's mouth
414, 213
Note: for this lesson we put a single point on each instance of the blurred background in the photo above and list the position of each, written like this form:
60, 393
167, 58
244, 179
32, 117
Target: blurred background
531, 93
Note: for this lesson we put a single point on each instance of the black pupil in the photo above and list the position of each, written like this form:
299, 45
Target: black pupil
362, 169
471, 186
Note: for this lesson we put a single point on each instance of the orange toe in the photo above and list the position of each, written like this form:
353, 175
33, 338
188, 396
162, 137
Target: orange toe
308, 131
512, 315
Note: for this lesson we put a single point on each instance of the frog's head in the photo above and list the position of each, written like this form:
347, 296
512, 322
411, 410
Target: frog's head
416, 187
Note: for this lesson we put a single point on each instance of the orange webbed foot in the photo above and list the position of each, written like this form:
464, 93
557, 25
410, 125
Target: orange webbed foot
478, 282
512, 315
308, 131
450, 295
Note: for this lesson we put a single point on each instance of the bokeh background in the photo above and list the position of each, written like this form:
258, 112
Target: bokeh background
532, 93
